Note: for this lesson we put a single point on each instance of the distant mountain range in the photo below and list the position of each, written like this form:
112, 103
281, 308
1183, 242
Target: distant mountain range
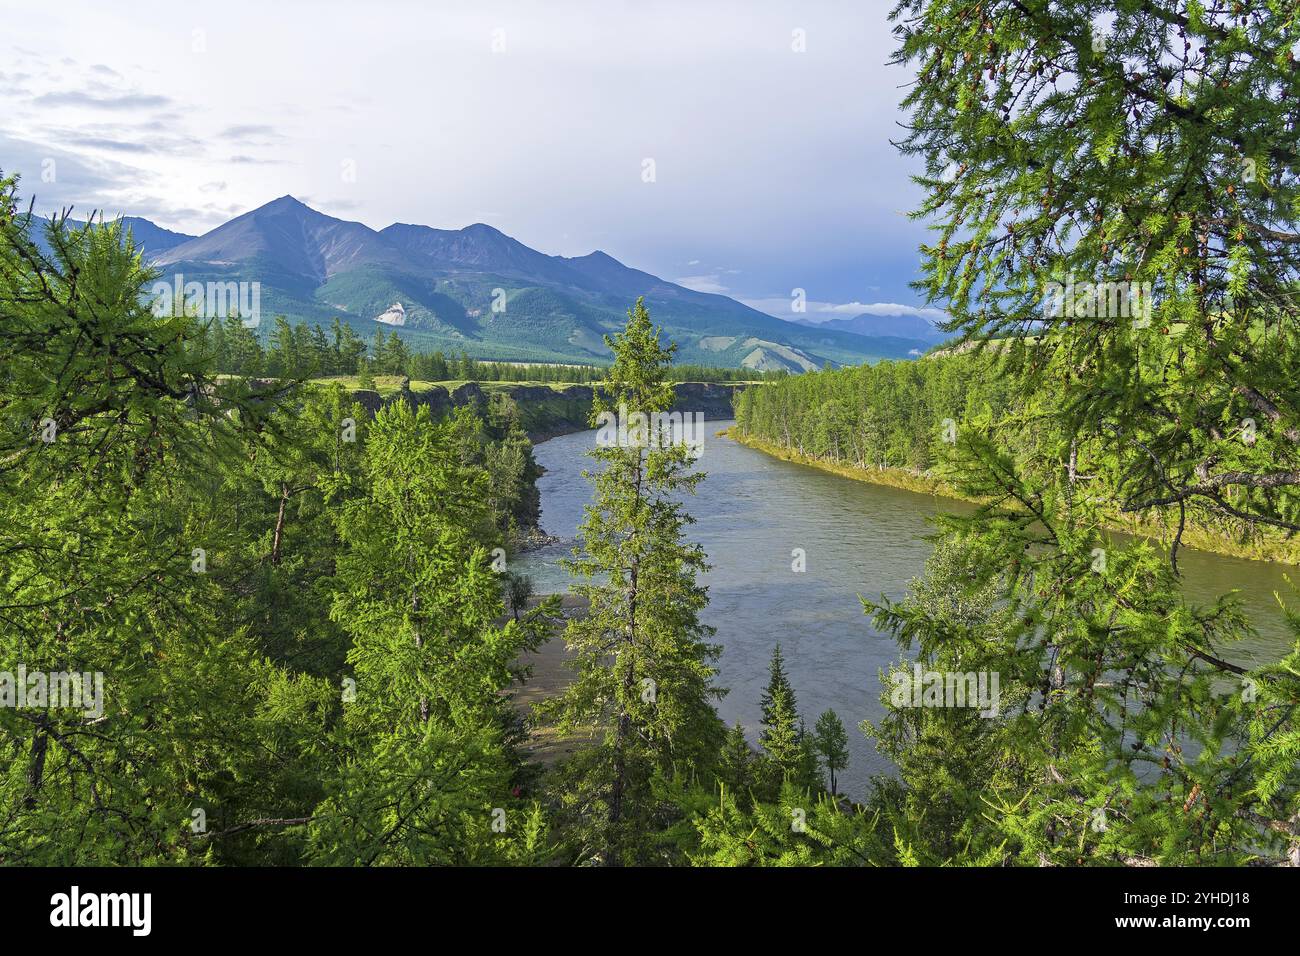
479, 290
876, 326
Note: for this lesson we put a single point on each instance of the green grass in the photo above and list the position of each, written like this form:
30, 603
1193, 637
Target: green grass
384, 384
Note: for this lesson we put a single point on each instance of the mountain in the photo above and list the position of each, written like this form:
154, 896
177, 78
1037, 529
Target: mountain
478, 290
875, 326
151, 239
290, 238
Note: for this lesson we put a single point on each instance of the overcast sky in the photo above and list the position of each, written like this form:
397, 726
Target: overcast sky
772, 168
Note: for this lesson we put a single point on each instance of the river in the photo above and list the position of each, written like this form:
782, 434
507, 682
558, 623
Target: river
859, 539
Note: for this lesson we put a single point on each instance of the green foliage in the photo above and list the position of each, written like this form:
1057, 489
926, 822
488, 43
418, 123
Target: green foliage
221, 553
1130, 734
422, 757
793, 830
736, 762
644, 667
831, 743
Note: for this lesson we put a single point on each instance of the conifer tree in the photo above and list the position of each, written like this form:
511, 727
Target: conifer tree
735, 764
778, 684
423, 760
115, 546
782, 743
832, 743
1116, 227
782, 738
644, 664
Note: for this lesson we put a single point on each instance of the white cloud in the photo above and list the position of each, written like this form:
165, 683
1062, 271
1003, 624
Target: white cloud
709, 283
782, 308
882, 308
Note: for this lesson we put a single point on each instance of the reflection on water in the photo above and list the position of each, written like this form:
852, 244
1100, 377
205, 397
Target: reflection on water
753, 510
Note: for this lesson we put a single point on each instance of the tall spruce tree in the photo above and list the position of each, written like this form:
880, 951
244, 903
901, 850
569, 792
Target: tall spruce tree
785, 753
735, 764
778, 683
644, 663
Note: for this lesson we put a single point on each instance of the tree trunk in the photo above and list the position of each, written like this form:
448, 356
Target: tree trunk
612, 854
279, 523
36, 764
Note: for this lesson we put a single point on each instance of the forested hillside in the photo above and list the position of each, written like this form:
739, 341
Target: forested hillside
898, 422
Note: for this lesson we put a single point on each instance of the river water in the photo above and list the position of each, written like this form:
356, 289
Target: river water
859, 539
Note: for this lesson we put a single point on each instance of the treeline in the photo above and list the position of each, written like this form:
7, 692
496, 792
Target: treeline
303, 350
908, 416
889, 415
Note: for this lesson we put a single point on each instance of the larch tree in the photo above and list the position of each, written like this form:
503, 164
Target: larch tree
1113, 188
644, 663
424, 771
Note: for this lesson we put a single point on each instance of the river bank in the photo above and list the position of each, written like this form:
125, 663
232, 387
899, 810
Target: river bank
549, 673
1198, 539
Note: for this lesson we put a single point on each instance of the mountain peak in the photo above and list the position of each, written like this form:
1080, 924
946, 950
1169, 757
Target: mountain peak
294, 238
286, 204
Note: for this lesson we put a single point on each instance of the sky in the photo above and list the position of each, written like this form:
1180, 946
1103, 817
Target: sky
741, 148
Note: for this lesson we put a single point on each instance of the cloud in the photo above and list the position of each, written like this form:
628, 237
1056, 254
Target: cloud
782, 308
881, 308
244, 160
337, 205
112, 101
112, 145
708, 283
152, 137
57, 178
253, 134
12, 84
